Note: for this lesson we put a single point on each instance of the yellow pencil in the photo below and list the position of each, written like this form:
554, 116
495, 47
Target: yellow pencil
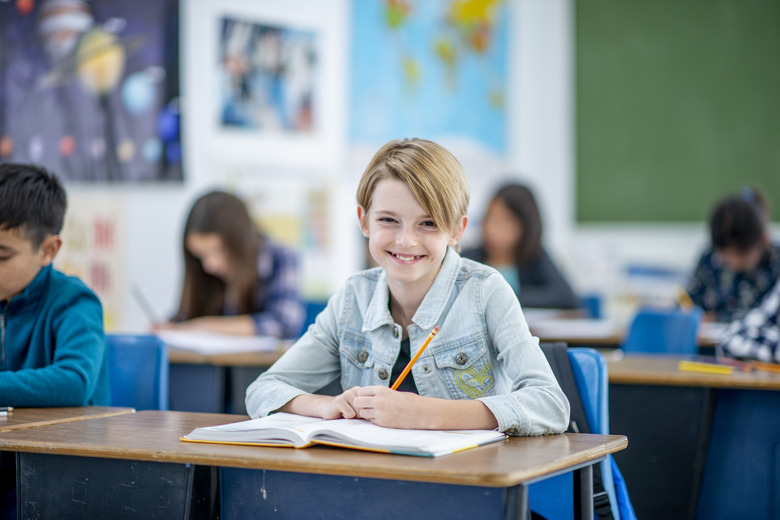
412, 361
708, 368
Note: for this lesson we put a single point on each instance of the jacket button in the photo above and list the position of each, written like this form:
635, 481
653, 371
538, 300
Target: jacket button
461, 358
382, 374
395, 332
426, 369
363, 356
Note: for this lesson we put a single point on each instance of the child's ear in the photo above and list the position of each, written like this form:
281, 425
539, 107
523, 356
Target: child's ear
362, 213
49, 249
457, 234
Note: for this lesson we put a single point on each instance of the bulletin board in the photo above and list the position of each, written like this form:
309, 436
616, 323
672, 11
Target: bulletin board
677, 105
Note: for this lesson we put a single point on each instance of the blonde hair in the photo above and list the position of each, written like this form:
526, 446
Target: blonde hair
434, 175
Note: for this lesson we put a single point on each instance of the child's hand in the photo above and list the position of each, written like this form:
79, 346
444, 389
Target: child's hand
341, 406
390, 408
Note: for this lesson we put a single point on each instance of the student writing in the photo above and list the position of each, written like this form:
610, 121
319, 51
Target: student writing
742, 264
236, 280
512, 243
482, 370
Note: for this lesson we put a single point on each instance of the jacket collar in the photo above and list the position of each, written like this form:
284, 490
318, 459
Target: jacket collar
34, 290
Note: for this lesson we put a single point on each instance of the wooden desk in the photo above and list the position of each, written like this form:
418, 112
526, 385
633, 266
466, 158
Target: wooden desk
21, 418
695, 436
638, 369
500, 472
239, 359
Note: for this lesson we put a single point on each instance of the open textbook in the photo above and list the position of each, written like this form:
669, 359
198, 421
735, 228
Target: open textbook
283, 429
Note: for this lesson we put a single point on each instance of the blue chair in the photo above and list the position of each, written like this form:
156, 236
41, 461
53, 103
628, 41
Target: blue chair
592, 304
670, 331
552, 498
138, 369
313, 308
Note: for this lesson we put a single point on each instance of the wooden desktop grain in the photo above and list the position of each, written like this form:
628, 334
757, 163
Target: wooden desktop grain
155, 436
236, 359
21, 418
638, 369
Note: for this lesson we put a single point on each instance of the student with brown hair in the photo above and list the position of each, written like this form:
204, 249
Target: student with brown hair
512, 243
236, 280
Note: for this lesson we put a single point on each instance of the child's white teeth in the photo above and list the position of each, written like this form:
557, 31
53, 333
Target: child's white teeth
406, 258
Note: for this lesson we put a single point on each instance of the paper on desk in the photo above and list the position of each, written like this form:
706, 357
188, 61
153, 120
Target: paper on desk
711, 331
211, 343
576, 328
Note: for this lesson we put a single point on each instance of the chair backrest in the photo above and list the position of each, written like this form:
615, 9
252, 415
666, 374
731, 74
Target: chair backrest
138, 369
670, 331
552, 498
592, 304
313, 308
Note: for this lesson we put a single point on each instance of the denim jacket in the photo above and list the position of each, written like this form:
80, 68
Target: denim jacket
483, 351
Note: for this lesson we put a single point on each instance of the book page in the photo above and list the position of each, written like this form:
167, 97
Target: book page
363, 434
277, 429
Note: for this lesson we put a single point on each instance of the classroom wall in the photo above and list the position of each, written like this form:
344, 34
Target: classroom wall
541, 152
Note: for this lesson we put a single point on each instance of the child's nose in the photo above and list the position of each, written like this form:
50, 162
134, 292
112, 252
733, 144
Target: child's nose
406, 237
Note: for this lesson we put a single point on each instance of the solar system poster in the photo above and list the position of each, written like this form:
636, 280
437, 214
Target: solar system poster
89, 89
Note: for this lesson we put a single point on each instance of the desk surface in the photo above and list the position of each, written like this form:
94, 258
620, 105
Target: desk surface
648, 369
154, 436
235, 359
21, 418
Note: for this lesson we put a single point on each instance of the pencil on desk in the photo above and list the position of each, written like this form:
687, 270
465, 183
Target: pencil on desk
412, 361
707, 368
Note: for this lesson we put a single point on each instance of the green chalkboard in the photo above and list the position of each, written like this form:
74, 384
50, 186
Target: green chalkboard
677, 105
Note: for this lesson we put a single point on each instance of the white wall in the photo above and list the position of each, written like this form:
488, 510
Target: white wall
541, 134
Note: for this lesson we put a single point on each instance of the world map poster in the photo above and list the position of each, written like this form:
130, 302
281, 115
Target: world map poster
435, 69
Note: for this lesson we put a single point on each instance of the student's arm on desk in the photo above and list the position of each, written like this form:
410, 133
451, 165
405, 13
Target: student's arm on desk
242, 325
393, 409
385, 407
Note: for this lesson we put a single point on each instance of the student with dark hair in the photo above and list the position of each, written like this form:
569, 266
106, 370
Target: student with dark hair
53, 343
236, 280
512, 243
742, 264
52, 324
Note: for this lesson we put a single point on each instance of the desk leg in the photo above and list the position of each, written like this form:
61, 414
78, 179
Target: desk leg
702, 447
517, 503
583, 493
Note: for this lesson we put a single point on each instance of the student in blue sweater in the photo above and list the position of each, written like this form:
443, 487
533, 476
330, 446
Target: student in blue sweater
52, 344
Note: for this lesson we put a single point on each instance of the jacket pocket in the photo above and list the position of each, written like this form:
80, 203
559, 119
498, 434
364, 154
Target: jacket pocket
466, 369
357, 361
